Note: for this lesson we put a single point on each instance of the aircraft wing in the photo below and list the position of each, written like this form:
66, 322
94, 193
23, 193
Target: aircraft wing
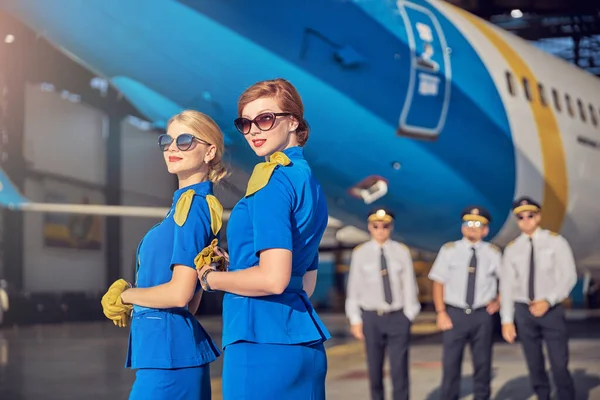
12, 199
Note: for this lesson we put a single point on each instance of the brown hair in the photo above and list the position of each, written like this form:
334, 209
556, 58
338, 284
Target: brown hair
207, 129
287, 98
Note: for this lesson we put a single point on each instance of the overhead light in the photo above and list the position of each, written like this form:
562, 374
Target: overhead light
99, 84
516, 13
9, 39
47, 87
138, 123
72, 97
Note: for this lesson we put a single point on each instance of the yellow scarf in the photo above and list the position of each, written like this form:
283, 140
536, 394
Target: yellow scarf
263, 171
185, 202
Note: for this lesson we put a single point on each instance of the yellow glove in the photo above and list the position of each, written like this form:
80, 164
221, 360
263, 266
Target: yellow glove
113, 307
207, 257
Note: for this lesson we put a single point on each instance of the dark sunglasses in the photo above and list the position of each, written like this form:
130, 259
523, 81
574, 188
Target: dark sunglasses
183, 141
381, 226
525, 216
264, 122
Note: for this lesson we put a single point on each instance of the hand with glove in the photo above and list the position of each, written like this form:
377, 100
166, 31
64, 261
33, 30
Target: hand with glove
212, 256
113, 307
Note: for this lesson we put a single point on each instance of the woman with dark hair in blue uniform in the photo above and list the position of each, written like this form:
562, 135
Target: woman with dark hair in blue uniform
167, 345
272, 337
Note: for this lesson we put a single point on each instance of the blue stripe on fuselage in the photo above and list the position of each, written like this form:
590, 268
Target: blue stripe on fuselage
353, 112
476, 143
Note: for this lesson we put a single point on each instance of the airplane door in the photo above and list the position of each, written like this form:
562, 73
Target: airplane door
428, 95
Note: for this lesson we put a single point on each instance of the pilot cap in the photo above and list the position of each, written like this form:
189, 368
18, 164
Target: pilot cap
525, 204
382, 215
476, 213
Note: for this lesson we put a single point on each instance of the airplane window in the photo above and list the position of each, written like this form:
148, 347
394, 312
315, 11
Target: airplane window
569, 105
593, 115
556, 100
581, 110
509, 83
542, 94
527, 89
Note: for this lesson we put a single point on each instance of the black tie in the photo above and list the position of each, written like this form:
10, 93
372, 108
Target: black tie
531, 273
471, 282
387, 288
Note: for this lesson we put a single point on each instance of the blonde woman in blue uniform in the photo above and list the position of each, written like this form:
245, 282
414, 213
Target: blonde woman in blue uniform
272, 337
167, 345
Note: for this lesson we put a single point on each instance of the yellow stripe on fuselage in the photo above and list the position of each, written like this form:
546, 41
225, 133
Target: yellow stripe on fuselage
556, 185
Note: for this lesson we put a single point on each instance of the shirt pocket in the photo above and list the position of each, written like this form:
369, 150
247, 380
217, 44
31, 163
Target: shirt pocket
492, 270
456, 266
395, 267
371, 272
545, 259
519, 266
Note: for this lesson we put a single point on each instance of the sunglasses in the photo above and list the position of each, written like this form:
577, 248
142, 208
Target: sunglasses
183, 141
525, 216
264, 122
381, 226
473, 224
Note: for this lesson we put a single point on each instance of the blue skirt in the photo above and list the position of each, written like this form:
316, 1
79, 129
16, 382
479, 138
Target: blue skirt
257, 371
172, 384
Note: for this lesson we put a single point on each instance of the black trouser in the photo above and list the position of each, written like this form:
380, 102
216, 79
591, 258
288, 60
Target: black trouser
475, 328
390, 330
552, 329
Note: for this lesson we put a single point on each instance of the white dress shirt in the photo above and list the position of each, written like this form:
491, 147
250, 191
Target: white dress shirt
365, 282
451, 269
555, 273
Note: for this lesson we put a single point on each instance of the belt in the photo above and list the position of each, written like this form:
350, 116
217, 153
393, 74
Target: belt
140, 310
521, 304
468, 310
381, 312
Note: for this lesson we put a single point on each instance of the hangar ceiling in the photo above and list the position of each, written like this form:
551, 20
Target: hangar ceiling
569, 29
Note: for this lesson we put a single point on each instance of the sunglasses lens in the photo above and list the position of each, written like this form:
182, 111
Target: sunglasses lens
242, 125
184, 141
265, 121
381, 226
164, 141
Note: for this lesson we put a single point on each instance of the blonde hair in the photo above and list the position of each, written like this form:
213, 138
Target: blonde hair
206, 129
287, 98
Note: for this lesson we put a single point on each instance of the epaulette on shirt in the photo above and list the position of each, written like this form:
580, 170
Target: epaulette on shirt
553, 233
493, 246
510, 243
404, 246
357, 247
449, 245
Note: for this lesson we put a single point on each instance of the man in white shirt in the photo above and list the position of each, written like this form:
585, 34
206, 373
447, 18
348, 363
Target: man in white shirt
538, 273
465, 295
381, 303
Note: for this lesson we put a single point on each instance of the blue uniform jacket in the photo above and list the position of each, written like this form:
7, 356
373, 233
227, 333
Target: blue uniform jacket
290, 212
171, 338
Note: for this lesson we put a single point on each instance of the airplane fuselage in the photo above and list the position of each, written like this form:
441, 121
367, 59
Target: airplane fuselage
414, 92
